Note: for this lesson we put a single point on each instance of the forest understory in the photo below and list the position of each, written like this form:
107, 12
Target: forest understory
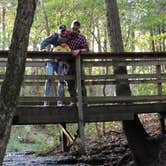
112, 148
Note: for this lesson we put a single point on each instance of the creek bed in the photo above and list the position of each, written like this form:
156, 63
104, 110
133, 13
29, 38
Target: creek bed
25, 159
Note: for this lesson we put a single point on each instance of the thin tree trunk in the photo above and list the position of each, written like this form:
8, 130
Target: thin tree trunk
97, 125
153, 42
45, 17
105, 41
159, 42
144, 151
132, 48
3, 26
164, 39
15, 70
99, 37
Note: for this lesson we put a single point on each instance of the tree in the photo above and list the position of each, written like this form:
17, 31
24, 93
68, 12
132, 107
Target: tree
144, 149
45, 17
15, 70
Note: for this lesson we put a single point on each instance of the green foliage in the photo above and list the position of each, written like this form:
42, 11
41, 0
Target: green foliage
136, 17
32, 138
144, 89
41, 138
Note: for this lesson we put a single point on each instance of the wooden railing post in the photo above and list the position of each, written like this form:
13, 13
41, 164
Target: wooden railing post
80, 104
159, 88
159, 82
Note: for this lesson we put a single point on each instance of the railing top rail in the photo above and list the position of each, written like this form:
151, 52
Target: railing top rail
110, 55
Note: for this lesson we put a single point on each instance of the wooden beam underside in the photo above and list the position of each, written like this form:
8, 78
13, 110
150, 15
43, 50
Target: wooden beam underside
97, 113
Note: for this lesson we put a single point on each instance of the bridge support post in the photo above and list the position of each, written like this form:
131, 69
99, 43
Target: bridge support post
64, 138
62, 125
159, 89
162, 123
80, 105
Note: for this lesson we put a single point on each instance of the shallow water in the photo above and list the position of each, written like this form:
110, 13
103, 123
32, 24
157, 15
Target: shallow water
24, 159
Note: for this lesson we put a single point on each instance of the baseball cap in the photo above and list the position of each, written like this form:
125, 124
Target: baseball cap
75, 22
62, 27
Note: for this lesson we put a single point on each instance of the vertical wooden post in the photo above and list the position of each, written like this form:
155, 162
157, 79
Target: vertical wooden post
159, 83
80, 105
64, 138
53, 87
159, 88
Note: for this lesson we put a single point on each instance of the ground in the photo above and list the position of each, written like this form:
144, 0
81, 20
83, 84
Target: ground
112, 149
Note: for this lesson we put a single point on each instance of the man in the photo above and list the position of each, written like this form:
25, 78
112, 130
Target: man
52, 66
77, 43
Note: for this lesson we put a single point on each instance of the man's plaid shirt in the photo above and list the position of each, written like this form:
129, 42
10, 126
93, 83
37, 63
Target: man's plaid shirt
78, 43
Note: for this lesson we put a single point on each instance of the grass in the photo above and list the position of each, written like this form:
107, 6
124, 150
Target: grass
38, 138
31, 138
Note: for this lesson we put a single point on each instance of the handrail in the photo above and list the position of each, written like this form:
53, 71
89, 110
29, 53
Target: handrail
156, 60
123, 55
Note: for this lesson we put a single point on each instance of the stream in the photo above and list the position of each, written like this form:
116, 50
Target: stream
25, 159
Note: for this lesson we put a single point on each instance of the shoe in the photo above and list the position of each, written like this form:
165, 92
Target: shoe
46, 103
72, 104
59, 103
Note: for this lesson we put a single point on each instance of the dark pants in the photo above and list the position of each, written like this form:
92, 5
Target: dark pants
72, 83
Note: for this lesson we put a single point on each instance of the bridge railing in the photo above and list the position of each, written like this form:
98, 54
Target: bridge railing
146, 77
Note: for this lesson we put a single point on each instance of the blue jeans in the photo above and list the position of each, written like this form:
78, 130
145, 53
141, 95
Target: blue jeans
52, 67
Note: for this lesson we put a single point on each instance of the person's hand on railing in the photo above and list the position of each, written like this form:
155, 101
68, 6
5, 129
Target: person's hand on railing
76, 52
44, 50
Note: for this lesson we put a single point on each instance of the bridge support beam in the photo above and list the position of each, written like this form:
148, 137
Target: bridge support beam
64, 137
162, 123
80, 105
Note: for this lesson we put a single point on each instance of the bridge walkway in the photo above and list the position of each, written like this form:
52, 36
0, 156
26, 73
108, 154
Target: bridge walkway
146, 76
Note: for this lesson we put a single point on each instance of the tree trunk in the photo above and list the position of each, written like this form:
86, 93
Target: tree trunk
144, 149
153, 42
45, 17
15, 70
3, 27
98, 37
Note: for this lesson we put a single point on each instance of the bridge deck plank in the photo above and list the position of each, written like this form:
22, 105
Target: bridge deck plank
67, 114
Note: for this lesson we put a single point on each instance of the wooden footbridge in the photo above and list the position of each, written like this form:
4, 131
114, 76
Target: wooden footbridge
146, 75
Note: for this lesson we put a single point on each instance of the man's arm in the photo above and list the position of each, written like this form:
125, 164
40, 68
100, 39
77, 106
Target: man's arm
84, 47
84, 44
53, 39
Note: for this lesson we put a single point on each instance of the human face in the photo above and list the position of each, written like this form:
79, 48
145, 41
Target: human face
63, 33
76, 28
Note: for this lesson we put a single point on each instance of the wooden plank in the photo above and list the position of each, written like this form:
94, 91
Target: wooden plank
28, 63
69, 136
91, 55
159, 83
99, 63
113, 98
54, 115
44, 77
126, 108
123, 99
97, 82
133, 81
124, 76
133, 77
132, 62
94, 100
92, 77
35, 99
45, 115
